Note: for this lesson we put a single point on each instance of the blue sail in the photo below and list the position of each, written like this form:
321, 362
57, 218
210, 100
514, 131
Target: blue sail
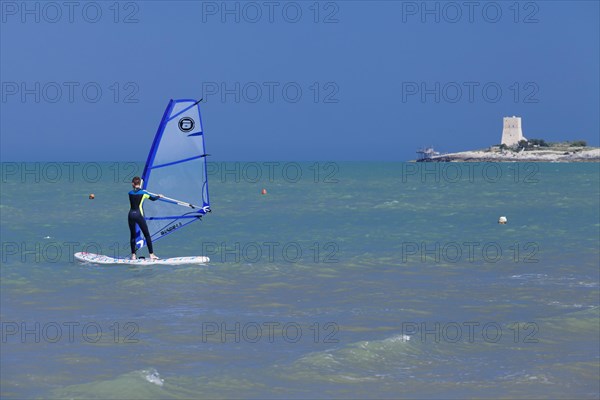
176, 168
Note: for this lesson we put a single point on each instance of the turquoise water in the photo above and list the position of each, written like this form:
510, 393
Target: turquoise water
347, 280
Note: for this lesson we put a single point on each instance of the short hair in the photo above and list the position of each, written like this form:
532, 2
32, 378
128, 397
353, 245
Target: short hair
136, 180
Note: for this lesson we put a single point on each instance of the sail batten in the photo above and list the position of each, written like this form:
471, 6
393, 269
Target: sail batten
176, 167
179, 161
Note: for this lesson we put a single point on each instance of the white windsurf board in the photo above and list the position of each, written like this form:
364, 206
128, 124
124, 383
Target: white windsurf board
102, 259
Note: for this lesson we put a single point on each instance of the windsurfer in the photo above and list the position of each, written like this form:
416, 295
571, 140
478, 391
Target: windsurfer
136, 216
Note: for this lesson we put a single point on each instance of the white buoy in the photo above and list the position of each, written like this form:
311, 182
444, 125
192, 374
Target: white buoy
502, 220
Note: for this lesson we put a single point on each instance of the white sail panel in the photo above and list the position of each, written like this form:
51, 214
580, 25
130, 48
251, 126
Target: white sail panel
176, 168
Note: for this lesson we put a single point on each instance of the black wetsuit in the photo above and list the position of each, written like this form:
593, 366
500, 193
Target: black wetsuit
136, 216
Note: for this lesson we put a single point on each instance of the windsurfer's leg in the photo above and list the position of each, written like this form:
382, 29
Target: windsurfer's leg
144, 227
131, 222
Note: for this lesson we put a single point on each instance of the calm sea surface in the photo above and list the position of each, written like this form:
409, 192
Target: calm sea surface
346, 280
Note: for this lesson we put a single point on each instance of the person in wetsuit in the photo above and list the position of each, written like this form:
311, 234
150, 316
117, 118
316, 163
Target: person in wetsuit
136, 216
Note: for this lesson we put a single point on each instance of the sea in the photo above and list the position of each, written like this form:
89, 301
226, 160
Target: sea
345, 280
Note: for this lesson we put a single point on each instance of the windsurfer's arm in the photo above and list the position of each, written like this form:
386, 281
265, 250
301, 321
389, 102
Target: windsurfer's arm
152, 198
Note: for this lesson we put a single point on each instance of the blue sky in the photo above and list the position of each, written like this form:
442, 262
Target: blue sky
345, 80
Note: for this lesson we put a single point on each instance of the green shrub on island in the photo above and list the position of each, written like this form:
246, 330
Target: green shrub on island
531, 144
536, 145
538, 142
578, 143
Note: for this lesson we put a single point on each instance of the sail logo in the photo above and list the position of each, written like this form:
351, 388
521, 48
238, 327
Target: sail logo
186, 124
169, 229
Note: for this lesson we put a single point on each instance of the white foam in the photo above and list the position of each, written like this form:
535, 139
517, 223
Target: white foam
388, 204
398, 338
152, 376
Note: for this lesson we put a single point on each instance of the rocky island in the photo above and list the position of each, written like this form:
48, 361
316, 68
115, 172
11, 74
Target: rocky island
552, 153
515, 147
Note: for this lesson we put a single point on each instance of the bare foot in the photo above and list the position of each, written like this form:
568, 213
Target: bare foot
153, 257
133, 257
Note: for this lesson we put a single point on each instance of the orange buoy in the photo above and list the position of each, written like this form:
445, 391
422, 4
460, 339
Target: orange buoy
91, 197
264, 191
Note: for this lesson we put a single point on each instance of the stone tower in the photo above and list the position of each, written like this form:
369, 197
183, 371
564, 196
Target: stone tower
512, 133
